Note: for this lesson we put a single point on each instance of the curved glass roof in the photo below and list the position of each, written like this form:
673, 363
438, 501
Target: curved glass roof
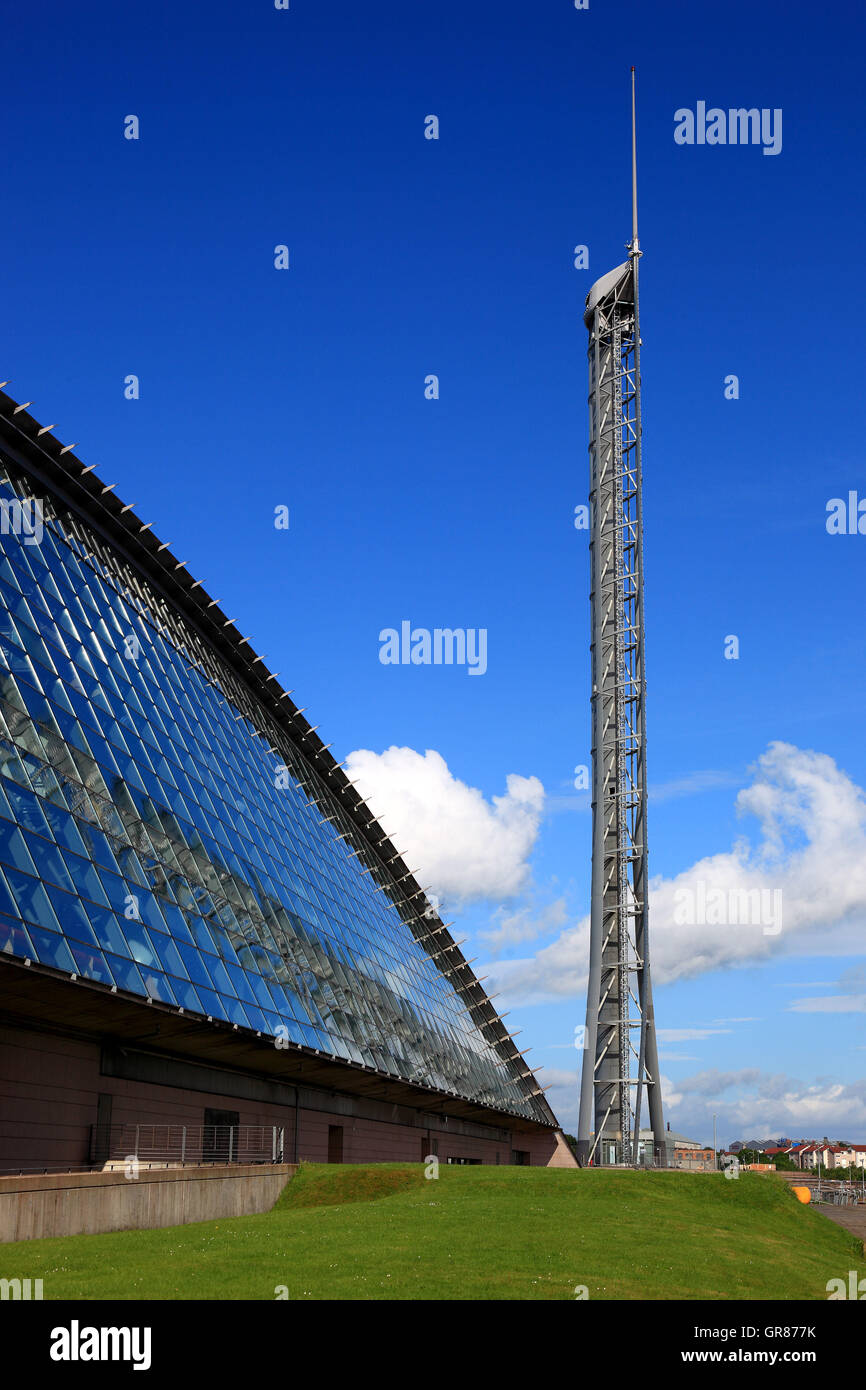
151, 838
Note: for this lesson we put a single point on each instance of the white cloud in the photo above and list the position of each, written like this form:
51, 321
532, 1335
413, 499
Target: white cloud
851, 1000
747, 1103
525, 924
810, 848
464, 846
754, 1103
831, 1004
563, 1096
691, 785
557, 970
557, 1077
804, 984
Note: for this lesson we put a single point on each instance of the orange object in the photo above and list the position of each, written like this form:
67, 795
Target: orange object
803, 1194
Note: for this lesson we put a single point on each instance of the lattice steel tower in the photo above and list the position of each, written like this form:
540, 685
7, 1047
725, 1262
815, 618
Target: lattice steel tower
620, 1060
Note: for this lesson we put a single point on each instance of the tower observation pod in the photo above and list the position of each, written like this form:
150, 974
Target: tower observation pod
620, 1057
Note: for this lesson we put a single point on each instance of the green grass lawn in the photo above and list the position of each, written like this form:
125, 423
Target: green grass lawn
385, 1231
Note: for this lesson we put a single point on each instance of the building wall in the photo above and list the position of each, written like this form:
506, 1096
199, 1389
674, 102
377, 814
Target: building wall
693, 1155
50, 1087
69, 1204
550, 1151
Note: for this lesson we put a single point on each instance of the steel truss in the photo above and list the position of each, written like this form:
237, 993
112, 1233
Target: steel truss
620, 1057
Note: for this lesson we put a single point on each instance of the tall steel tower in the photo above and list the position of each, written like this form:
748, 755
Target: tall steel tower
620, 1060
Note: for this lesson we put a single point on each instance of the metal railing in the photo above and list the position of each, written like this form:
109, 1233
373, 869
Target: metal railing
182, 1144
837, 1194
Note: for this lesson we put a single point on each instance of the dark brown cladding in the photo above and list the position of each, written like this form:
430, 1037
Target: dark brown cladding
42, 999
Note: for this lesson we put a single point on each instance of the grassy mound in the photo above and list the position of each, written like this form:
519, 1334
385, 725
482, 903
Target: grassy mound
386, 1232
318, 1185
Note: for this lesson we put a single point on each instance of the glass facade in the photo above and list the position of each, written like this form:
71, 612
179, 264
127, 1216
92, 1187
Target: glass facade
151, 839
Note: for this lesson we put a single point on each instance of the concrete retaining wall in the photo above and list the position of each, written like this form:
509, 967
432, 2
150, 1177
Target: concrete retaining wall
67, 1204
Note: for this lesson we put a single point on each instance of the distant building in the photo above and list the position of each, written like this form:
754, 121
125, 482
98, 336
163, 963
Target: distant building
851, 1156
809, 1154
810, 1157
682, 1152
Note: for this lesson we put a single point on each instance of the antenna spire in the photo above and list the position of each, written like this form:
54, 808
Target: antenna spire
619, 987
635, 244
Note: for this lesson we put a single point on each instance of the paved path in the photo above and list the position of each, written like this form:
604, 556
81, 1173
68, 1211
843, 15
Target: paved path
852, 1218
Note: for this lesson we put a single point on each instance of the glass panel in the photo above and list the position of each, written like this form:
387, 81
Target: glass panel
126, 975
91, 964
14, 940
139, 786
51, 949
71, 915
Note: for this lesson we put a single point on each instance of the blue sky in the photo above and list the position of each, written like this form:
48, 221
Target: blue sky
305, 387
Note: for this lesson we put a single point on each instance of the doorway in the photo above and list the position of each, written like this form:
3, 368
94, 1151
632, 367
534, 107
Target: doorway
219, 1139
335, 1143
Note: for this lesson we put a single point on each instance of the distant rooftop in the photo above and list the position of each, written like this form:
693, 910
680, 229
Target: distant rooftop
673, 1137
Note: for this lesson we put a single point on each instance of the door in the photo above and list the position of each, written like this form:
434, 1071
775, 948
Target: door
335, 1143
219, 1140
102, 1130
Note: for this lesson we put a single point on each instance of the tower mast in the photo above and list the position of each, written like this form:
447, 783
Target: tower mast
619, 1008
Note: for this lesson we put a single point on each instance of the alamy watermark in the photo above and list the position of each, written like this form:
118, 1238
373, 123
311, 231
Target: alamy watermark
22, 517
736, 126
20, 1289
77, 1343
443, 646
732, 907
846, 516
856, 1288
